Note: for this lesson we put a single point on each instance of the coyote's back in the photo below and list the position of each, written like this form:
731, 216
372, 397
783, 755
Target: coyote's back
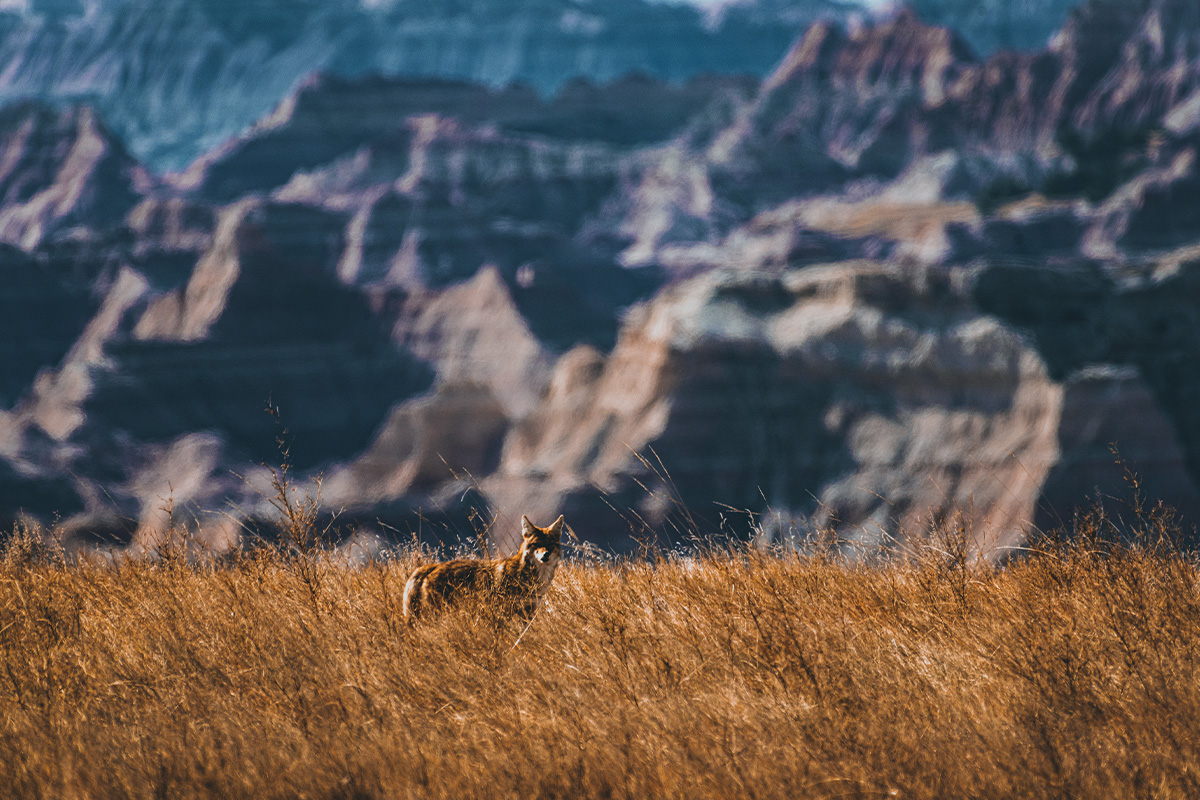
518, 582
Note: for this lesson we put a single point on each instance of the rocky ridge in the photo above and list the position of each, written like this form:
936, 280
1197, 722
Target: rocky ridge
180, 77
177, 79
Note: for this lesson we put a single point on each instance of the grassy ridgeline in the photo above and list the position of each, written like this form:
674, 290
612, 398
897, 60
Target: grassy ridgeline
1072, 673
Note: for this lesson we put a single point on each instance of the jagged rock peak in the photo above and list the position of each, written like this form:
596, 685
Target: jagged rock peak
1144, 60
901, 51
813, 50
61, 167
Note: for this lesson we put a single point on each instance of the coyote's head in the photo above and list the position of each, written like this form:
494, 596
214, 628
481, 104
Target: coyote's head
541, 547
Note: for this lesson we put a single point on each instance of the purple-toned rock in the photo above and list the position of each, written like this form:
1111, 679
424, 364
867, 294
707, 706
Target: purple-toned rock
61, 169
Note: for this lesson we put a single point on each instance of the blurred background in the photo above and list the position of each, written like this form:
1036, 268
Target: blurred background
754, 268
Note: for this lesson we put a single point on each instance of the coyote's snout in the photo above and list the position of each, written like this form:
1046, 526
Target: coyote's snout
517, 583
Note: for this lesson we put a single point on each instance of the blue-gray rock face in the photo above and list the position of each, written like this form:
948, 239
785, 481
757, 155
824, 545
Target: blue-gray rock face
177, 77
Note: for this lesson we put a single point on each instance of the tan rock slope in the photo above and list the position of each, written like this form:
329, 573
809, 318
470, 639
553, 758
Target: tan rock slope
862, 396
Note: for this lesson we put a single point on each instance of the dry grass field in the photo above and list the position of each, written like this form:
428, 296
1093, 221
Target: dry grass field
1072, 672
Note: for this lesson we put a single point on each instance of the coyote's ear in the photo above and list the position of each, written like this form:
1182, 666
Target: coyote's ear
528, 529
555, 528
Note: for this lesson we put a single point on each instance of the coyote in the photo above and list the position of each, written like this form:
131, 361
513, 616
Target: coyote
518, 582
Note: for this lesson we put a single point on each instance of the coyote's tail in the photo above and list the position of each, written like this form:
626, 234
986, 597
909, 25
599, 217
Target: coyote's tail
412, 593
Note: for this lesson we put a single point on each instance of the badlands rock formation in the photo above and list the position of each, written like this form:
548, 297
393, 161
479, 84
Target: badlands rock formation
869, 397
898, 284
177, 78
61, 169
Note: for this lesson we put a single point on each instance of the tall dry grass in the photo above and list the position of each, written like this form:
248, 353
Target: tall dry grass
1072, 672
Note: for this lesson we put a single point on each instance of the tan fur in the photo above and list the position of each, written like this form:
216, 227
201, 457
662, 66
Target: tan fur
518, 583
